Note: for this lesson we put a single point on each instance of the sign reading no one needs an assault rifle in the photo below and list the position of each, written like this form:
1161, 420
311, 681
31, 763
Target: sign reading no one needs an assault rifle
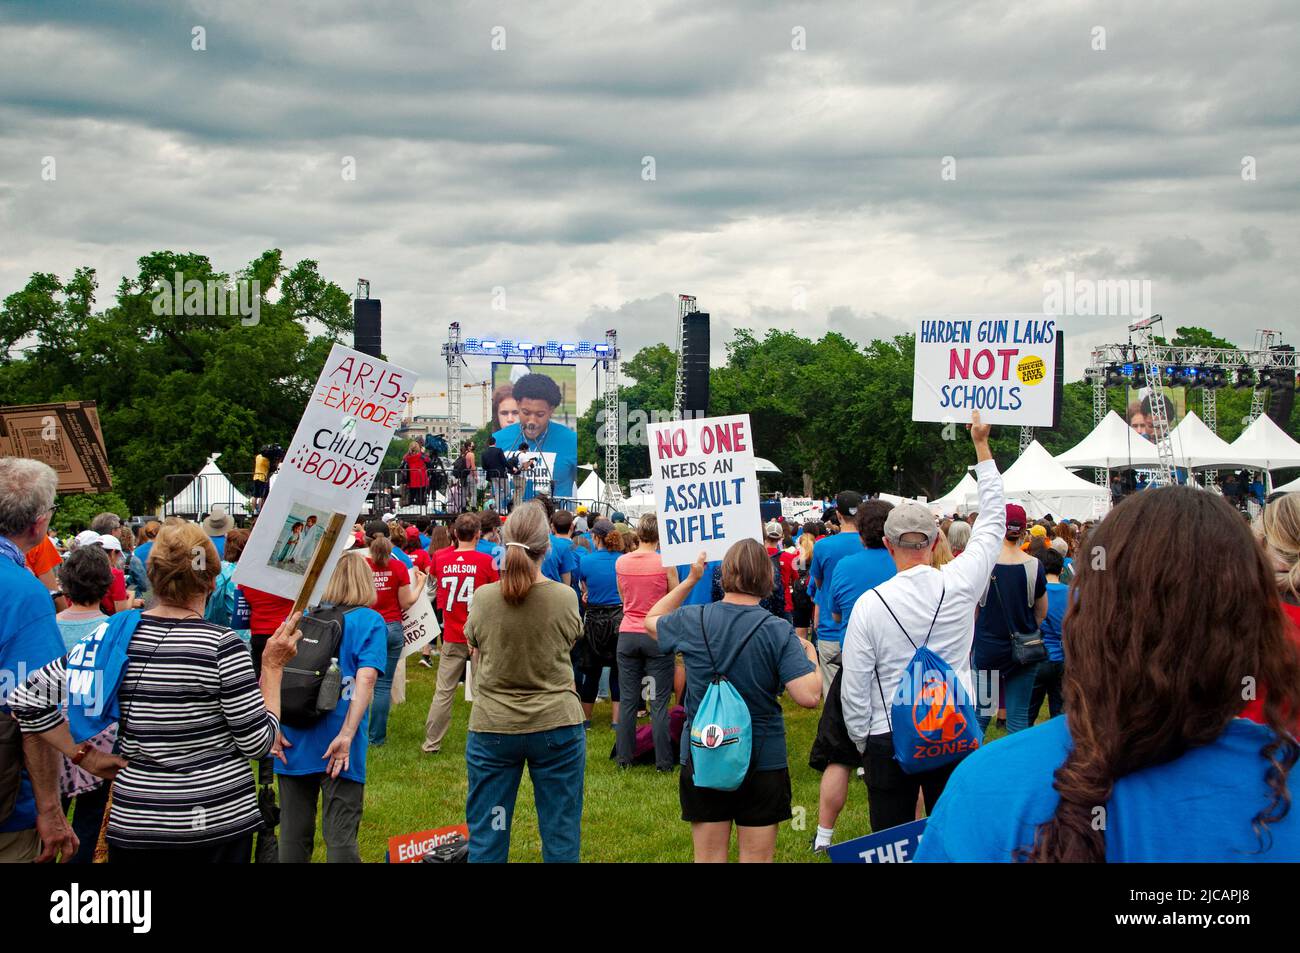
1003, 365
706, 491
349, 421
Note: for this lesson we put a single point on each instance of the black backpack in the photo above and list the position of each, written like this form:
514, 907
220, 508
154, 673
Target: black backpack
301, 704
460, 469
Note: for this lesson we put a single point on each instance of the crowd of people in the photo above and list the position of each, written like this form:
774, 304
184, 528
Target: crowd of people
140, 682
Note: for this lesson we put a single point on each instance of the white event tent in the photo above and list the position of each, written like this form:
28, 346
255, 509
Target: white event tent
1195, 445
1043, 486
210, 488
1265, 446
1112, 445
962, 498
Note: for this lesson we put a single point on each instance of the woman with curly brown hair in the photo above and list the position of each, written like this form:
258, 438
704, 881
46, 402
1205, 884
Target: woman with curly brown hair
1153, 761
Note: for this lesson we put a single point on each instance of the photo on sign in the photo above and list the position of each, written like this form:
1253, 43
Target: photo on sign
299, 538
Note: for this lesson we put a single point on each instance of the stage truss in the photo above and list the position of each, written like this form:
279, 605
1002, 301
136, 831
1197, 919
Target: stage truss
506, 351
1154, 357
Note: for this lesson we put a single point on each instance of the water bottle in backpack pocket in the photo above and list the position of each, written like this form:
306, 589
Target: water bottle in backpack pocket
722, 733
312, 682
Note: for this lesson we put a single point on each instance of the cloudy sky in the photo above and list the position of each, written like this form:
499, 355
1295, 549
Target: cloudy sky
798, 156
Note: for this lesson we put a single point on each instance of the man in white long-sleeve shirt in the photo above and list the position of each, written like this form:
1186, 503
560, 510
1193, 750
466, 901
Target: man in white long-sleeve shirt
876, 647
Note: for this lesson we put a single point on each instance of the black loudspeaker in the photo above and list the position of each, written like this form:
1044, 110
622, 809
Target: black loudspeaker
695, 361
1058, 384
366, 330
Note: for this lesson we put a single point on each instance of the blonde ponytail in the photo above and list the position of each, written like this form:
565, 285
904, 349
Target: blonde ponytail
527, 537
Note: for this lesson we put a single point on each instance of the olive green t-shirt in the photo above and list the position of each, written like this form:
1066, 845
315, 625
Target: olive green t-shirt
524, 679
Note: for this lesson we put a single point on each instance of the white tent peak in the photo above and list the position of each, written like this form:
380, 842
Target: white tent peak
1044, 486
1266, 446
1195, 445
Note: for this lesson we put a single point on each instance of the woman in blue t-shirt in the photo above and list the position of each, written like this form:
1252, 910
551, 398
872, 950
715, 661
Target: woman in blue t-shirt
1153, 760
598, 647
762, 657
326, 762
1006, 607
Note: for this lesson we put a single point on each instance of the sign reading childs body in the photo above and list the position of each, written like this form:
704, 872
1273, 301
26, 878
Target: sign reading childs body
1003, 365
348, 424
706, 491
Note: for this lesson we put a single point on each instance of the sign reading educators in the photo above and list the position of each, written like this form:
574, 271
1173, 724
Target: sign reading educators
1003, 365
349, 421
706, 491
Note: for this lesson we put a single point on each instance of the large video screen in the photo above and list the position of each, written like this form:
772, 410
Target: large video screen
505, 409
1138, 411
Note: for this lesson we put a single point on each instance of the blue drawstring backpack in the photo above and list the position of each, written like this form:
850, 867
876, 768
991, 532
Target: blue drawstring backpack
931, 717
722, 734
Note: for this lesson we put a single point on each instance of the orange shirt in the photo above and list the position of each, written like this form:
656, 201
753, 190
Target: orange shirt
43, 557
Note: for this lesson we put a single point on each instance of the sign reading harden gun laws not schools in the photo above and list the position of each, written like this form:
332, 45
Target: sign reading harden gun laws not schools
1003, 365
353, 410
706, 491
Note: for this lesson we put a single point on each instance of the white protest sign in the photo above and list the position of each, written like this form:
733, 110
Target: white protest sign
419, 625
328, 468
706, 491
1003, 365
801, 508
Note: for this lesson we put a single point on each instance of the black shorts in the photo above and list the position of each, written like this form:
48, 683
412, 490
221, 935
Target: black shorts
832, 744
802, 613
261, 488
763, 799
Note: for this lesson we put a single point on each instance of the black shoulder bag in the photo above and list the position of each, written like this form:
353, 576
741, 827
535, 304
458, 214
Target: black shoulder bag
1027, 648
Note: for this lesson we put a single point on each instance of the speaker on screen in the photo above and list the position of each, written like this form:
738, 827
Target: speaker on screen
695, 362
366, 330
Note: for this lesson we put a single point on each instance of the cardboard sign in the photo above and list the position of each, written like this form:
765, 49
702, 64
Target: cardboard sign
897, 845
1003, 365
346, 429
64, 436
419, 625
411, 848
706, 491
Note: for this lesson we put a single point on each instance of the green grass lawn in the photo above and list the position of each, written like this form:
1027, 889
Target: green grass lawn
630, 815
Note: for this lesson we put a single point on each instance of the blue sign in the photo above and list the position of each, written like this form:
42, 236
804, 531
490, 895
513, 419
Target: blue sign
898, 845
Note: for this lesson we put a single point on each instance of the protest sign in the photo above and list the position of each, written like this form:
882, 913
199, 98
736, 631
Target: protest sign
345, 431
64, 436
897, 845
411, 848
801, 508
1006, 366
706, 491
419, 625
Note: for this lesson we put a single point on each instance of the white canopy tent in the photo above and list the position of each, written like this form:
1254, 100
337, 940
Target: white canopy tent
765, 466
1195, 445
591, 488
1292, 487
209, 488
962, 498
637, 504
1265, 446
1043, 486
1112, 445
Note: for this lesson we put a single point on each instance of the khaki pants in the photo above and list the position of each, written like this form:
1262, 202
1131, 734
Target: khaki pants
19, 847
825, 651
451, 666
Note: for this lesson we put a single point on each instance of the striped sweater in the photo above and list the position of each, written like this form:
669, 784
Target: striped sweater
192, 718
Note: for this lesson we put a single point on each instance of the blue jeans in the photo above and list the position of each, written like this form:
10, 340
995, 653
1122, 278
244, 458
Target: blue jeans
383, 699
1017, 689
556, 761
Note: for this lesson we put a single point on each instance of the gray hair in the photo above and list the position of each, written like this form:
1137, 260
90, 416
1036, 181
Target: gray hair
958, 535
27, 491
106, 523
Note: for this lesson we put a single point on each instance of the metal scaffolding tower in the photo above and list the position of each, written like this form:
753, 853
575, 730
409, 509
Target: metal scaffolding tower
685, 305
455, 361
1026, 438
611, 365
1100, 407
1148, 355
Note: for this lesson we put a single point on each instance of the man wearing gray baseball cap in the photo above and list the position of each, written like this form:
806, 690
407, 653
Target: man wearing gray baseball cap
890, 621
